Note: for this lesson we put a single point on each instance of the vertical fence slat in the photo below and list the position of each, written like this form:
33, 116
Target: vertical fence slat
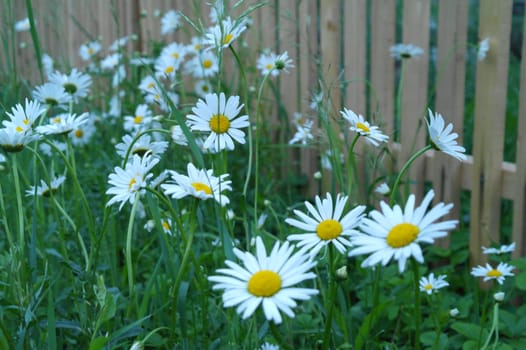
330, 50
308, 78
414, 94
519, 202
383, 36
488, 139
450, 86
354, 34
355, 73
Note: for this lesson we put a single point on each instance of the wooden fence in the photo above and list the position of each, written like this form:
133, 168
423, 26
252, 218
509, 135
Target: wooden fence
347, 44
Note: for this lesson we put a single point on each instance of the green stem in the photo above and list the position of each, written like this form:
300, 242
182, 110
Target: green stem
418, 315
494, 328
352, 178
129, 236
4, 218
21, 233
74, 227
330, 300
404, 170
398, 114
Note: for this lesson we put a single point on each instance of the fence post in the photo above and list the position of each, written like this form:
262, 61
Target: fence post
489, 120
519, 202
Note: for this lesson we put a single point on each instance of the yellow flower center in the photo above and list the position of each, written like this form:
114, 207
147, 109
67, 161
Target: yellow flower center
269, 66
199, 186
428, 286
79, 133
219, 123
132, 182
197, 47
204, 88
169, 69
56, 120
494, 273
90, 51
26, 121
207, 64
175, 55
264, 283
19, 129
329, 229
363, 127
402, 235
166, 225
150, 86
227, 39
137, 119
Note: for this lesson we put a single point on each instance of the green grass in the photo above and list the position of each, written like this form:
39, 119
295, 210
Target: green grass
76, 273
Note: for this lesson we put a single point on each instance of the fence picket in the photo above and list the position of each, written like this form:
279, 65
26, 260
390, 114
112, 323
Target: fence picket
490, 108
414, 94
450, 63
519, 201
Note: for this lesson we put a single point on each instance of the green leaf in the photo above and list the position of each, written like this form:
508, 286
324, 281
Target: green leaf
504, 347
469, 330
367, 325
429, 338
109, 309
520, 281
98, 343
470, 345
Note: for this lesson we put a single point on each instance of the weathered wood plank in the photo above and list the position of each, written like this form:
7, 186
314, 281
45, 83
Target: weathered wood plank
490, 109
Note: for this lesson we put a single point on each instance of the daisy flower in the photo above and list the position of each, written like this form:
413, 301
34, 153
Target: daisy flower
119, 43
89, 49
201, 184
273, 64
303, 133
12, 140
395, 233
501, 250
128, 182
111, 61
405, 51
489, 273
266, 280
178, 135
140, 120
222, 35
326, 224
203, 65
82, 134
217, 115
45, 190
141, 146
442, 139
268, 346
50, 151
22, 118
63, 124
76, 84
175, 51
431, 284
202, 88
166, 67
359, 125
483, 49
47, 63
23, 25
170, 22
51, 95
